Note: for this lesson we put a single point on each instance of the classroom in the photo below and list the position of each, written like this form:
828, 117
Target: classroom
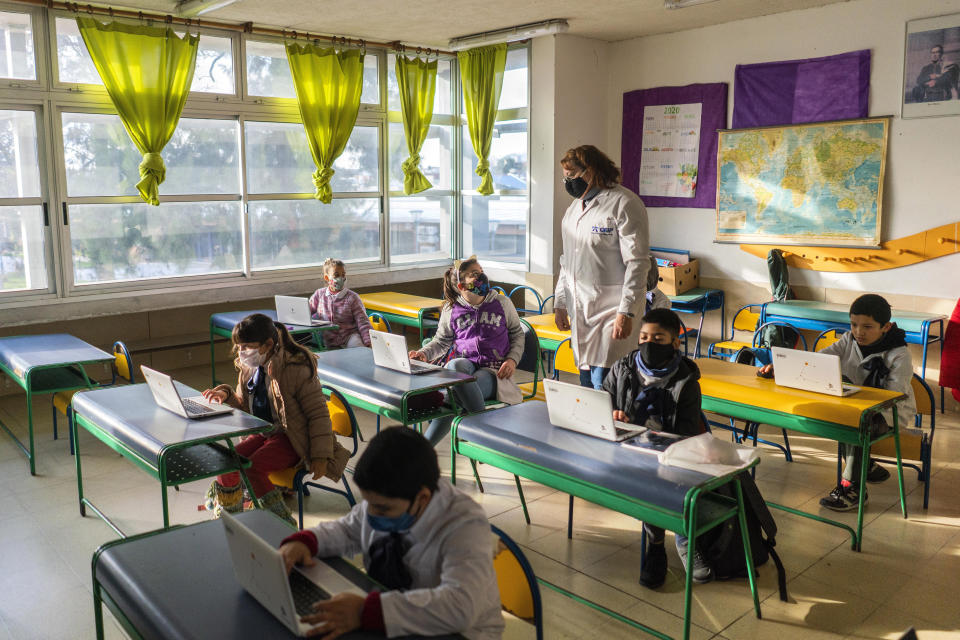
730, 224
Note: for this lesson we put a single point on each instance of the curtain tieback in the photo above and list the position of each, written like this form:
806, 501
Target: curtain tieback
411, 165
152, 173
483, 167
321, 180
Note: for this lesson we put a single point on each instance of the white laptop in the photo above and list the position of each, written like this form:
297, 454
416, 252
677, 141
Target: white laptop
166, 395
260, 570
293, 310
810, 371
589, 411
390, 351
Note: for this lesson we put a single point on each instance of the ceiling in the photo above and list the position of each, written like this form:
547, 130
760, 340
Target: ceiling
433, 22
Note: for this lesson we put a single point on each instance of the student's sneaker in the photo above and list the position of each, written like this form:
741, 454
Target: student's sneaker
876, 473
702, 571
654, 570
843, 498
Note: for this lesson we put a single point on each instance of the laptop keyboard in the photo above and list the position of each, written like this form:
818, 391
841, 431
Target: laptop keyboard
195, 408
623, 427
305, 593
419, 366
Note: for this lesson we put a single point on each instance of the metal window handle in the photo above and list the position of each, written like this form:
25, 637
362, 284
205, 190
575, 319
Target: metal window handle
46, 215
65, 221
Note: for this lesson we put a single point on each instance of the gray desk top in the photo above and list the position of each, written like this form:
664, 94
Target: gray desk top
20, 354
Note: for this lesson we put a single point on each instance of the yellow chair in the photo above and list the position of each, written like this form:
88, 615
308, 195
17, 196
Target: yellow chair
915, 443
378, 322
746, 320
519, 591
826, 338
345, 425
122, 369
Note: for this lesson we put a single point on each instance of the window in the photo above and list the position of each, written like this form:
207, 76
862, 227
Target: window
22, 229
294, 229
17, 59
196, 230
213, 72
495, 227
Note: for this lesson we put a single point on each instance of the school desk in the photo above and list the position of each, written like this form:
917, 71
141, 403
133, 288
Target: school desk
404, 308
821, 316
735, 390
520, 440
179, 584
383, 391
699, 301
172, 449
43, 364
222, 324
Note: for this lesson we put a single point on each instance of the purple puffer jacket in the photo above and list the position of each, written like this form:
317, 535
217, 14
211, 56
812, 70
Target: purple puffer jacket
486, 334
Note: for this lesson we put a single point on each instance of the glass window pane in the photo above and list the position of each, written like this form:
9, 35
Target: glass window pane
294, 233
436, 156
268, 73
203, 156
508, 157
514, 91
19, 168
420, 228
279, 160
17, 59
213, 72
371, 80
495, 227
22, 250
133, 241
441, 98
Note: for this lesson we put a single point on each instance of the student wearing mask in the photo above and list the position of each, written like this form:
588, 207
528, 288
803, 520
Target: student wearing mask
341, 306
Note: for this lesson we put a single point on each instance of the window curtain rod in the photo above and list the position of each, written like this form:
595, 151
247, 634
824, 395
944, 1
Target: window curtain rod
247, 27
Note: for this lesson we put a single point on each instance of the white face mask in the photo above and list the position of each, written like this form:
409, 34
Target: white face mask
250, 358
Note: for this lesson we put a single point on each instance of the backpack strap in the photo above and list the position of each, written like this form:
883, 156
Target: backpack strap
754, 501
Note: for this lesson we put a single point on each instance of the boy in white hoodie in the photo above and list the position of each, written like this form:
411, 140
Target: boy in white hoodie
426, 542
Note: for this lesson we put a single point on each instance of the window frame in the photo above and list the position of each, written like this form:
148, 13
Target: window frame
38, 32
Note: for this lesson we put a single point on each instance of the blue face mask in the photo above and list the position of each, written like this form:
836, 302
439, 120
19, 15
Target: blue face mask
481, 285
392, 525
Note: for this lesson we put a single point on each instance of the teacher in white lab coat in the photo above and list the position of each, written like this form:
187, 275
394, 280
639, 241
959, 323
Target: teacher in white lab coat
603, 268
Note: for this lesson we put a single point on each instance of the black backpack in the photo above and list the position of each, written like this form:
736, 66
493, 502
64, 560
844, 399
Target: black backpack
722, 546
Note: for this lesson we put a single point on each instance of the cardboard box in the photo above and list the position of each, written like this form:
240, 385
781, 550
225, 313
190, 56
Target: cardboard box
676, 280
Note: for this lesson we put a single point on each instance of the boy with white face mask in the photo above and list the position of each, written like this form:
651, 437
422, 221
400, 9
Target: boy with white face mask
341, 306
278, 383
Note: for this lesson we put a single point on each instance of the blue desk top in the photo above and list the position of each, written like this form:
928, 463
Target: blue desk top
839, 314
229, 319
130, 415
20, 354
353, 372
165, 583
524, 431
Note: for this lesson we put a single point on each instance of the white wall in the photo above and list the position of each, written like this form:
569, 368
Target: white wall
922, 187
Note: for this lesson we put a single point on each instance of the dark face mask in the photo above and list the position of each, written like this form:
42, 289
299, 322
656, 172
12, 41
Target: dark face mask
656, 355
576, 187
481, 285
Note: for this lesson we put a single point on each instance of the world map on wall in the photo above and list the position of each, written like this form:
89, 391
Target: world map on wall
802, 184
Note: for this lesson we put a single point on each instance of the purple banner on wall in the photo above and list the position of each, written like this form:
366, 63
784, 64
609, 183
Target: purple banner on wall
797, 91
713, 116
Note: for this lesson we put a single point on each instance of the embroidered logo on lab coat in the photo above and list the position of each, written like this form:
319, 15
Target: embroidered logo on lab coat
603, 231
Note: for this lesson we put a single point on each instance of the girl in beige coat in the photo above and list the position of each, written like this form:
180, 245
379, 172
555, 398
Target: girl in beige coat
278, 383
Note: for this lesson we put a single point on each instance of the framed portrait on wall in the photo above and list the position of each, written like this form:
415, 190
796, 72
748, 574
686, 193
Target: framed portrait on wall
931, 67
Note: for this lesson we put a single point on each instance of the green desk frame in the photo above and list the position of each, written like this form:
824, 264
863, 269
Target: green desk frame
702, 511
859, 437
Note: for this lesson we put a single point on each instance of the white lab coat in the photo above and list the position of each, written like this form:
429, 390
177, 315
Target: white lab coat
450, 560
603, 272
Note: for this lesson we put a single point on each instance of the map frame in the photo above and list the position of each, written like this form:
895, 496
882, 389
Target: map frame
806, 239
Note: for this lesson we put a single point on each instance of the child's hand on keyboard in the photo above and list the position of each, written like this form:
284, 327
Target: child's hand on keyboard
620, 416
214, 396
417, 355
340, 614
296, 553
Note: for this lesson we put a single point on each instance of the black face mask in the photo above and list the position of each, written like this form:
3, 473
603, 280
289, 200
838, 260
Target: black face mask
576, 187
656, 355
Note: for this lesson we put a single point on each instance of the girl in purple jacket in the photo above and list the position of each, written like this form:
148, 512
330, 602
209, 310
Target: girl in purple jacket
484, 330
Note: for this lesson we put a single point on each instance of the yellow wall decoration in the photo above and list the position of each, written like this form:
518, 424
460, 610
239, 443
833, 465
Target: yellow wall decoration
926, 245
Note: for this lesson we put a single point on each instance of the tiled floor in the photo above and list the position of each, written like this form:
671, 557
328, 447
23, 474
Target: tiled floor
905, 576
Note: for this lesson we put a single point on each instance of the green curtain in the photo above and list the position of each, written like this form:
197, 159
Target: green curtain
328, 85
417, 80
481, 72
147, 72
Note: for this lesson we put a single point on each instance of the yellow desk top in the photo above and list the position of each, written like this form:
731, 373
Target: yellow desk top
402, 304
546, 327
740, 383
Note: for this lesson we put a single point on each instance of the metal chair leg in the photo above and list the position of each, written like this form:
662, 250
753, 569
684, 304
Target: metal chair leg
570, 520
523, 501
476, 475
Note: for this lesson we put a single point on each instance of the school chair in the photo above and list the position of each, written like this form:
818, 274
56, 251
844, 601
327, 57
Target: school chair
745, 320
826, 338
121, 369
524, 288
543, 305
378, 322
915, 443
761, 346
345, 425
519, 591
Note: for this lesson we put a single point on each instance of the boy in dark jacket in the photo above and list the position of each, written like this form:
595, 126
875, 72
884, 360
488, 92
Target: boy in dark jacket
657, 386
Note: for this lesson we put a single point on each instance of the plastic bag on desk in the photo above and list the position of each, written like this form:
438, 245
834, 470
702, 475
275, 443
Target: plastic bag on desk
706, 454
